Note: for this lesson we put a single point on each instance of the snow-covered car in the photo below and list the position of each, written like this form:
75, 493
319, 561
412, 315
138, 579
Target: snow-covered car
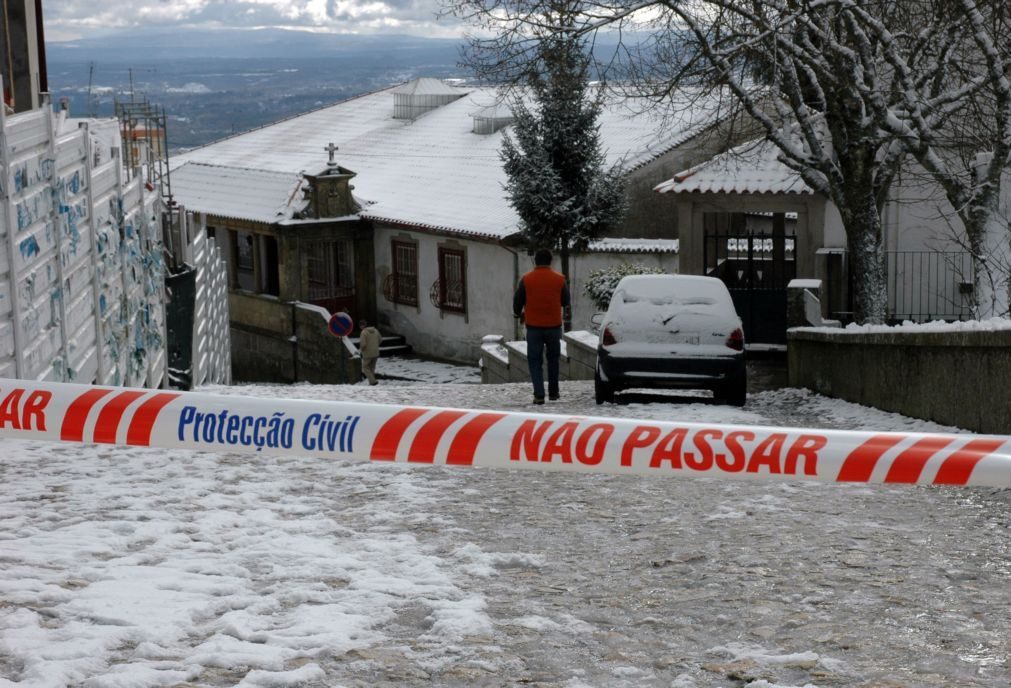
671, 331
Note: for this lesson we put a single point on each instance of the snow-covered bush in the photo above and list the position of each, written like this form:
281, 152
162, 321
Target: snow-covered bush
601, 283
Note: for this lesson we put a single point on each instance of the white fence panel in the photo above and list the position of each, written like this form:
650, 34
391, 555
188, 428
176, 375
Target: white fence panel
212, 358
81, 271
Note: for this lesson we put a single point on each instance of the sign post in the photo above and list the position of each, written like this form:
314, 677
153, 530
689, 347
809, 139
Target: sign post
340, 325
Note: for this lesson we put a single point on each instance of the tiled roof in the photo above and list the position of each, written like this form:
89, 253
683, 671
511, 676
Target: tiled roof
752, 168
430, 172
243, 194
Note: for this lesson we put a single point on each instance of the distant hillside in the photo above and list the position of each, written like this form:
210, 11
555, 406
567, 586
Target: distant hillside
217, 83
147, 46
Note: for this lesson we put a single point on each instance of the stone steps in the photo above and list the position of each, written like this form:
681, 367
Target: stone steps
391, 345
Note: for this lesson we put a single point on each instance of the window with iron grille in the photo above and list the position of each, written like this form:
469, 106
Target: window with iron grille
245, 261
331, 269
405, 273
452, 280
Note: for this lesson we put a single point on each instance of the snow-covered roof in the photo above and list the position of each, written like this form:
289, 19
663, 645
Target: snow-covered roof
753, 168
243, 194
634, 246
429, 172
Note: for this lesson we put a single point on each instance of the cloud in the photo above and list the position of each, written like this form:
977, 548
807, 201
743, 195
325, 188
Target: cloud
68, 19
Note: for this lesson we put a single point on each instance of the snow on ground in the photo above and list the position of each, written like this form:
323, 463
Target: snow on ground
124, 567
401, 370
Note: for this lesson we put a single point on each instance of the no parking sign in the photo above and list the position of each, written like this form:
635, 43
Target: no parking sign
340, 324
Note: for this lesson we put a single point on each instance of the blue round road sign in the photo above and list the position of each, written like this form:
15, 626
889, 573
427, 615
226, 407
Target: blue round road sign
340, 324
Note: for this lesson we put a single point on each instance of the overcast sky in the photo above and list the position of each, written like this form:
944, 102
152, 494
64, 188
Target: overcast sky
70, 19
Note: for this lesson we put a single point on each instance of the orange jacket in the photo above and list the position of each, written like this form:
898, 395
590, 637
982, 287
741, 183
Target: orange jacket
541, 296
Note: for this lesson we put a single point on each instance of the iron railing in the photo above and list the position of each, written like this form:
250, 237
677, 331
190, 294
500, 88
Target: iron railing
448, 296
750, 260
929, 285
402, 289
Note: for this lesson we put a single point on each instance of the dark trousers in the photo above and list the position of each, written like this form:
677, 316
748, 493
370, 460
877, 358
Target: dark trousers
540, 339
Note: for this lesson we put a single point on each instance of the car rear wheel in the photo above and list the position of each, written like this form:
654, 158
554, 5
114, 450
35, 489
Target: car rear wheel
602, 391
734, 391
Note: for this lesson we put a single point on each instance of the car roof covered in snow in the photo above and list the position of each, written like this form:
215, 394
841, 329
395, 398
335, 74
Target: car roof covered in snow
666, 285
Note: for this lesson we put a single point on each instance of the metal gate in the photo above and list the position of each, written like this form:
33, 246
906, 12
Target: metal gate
331, 274
756, 266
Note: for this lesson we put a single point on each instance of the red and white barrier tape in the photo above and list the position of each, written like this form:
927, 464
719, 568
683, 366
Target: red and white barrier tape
495, 439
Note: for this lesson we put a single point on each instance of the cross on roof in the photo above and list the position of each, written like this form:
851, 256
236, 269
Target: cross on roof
331, 149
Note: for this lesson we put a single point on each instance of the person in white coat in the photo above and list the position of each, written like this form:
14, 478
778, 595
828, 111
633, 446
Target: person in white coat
368, 345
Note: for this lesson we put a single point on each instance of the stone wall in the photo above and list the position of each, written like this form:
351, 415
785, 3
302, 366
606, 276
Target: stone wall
305, 352
954, 378
503, 361
320, 357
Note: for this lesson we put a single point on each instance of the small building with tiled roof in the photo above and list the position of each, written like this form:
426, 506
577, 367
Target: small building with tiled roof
750, 219
730, 208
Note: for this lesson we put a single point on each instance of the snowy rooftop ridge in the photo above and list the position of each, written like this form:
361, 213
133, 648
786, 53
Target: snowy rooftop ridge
428, 86
753, 167
634, 246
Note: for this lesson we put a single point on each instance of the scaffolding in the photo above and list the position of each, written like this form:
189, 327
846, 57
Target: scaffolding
145, 142
145, 155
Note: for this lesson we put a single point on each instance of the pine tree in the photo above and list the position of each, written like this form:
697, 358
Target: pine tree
557, 181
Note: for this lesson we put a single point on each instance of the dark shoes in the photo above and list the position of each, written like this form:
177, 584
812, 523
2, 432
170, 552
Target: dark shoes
539, 401
553, 397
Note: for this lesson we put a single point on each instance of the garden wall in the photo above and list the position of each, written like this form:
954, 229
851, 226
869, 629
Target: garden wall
503, 361
960, 378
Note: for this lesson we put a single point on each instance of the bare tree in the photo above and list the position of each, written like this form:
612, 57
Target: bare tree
845, 89
951, 109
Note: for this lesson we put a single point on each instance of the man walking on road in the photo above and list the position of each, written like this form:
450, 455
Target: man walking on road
368, 344
538, 301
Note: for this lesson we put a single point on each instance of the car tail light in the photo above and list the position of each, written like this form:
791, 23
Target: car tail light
736, 340
608, 338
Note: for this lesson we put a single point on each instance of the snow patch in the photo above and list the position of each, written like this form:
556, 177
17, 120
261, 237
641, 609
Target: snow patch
191, 87
988, 325
279, 679
739, 651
